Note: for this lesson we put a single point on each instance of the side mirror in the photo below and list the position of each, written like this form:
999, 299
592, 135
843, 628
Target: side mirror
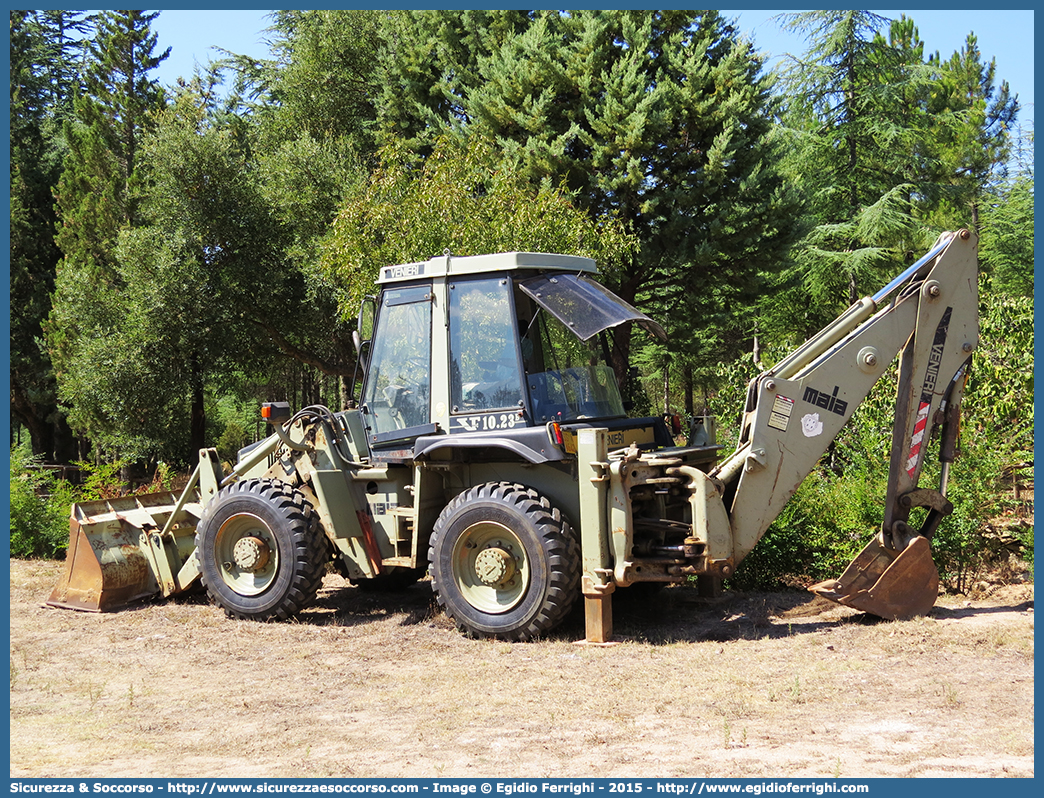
364, 326
357, 340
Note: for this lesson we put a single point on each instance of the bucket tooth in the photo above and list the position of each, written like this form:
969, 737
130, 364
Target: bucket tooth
890, 585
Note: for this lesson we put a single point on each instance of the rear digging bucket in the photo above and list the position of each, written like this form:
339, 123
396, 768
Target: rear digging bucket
884, 583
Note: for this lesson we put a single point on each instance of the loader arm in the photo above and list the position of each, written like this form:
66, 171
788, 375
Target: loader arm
929, 317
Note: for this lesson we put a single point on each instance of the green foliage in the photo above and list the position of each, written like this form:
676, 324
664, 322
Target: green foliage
463, 199
41, 500
304, 181
837, 89
1006, 239
208, 284
960, 546
889, 150
98, 192
819, 532
321, 83
45, 49
862, 251
1025, 538
98, 365
233, 438
232, 423
974, 122
39, 507
1000, 388
101, 480
854, 105
660, 119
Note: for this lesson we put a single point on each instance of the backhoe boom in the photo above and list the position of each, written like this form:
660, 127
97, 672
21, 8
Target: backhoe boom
796, 409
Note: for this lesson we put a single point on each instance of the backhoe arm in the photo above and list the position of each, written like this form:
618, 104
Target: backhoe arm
929, 316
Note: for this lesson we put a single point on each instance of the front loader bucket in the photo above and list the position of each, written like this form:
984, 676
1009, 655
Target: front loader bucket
118, 553
886, 584
102, 571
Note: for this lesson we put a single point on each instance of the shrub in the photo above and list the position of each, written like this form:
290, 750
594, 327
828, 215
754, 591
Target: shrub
234, 438
39, 508
101, 480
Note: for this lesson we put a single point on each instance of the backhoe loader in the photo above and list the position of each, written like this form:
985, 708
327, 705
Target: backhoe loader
490, 448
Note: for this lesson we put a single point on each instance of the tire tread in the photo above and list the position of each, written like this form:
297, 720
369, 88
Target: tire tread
310, 547
556, 538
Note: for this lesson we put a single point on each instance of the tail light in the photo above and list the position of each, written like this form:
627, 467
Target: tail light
554, 432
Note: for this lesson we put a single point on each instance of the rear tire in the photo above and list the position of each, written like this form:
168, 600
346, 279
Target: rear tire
261, 552
504, 563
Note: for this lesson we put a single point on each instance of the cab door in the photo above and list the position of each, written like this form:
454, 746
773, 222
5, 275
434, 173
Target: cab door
485, 356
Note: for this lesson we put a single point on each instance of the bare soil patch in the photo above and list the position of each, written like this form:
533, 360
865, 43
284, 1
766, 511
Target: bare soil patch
381, 685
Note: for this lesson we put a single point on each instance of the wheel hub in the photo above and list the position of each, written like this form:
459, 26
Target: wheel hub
251, 554
494, 566
490, 567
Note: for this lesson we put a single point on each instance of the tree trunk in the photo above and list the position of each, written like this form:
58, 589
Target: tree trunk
687, 389
24, 412
198, 420
197, 412
49, 433
621, 352
666, 387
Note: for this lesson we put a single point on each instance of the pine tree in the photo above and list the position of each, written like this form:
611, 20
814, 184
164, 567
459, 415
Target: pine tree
901, 126
1007, 221
659, 119
976, 119
889, 149
833, 85
429, 62
855, 109
44, 64
321, 83
97, 189
97, 193
67, 34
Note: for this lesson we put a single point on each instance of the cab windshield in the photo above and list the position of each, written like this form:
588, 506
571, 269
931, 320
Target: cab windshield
397, 390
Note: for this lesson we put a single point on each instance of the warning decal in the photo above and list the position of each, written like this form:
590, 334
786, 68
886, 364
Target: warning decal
779, 418
918, 437
931, 377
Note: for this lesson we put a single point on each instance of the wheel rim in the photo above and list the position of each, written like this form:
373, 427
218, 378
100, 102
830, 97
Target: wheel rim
247, 554
490, 567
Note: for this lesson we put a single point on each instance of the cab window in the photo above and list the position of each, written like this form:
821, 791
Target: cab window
485, 373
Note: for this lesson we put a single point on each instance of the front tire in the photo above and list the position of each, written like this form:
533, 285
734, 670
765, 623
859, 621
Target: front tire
504, 563
261, 551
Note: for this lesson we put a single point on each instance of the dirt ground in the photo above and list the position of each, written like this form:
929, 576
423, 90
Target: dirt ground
381, 685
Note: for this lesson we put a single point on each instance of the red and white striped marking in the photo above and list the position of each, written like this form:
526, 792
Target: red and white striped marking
918, 438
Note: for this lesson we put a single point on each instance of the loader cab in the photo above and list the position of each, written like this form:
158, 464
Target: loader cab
490, 344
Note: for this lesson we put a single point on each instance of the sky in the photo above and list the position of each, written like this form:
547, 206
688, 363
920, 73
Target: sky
1006, 36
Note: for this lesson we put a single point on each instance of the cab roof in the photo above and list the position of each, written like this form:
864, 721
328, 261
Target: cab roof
452, 265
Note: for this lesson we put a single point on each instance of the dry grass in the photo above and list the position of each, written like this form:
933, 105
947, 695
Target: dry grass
380, 685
